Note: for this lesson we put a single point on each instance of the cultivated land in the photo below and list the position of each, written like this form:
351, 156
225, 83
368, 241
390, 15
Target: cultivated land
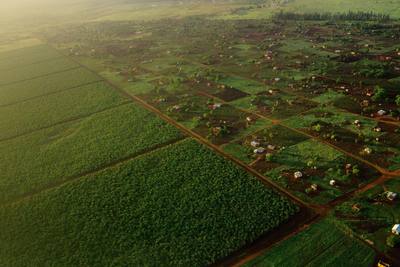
323, 244
95, 120
182, 204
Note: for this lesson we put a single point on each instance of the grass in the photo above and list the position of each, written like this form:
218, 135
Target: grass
193, 208
45, 85
33, 161
45, 111
322, 244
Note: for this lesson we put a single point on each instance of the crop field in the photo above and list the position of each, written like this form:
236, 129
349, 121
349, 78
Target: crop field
41, 69
214, 133
22, 91
322, 244
372, 215
145, 215
67, 150
48, 110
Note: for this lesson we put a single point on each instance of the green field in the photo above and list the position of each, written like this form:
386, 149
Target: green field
48, 110
33, 161
37, 70
14, 60
22, 91
322, 244
180, 206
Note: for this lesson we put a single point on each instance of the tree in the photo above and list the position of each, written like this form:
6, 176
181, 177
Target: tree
379, 93
397, 101
393, 241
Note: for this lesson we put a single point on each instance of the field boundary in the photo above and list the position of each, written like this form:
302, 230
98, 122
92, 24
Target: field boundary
77, 118
47, 94
40, 76
30, 64
66, 180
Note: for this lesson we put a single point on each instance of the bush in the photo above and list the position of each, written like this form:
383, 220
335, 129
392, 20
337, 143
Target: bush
393, 241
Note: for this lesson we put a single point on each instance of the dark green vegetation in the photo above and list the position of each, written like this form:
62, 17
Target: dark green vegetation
322, 244
54, 83
45, 111
372, 215
37, 70
310, 101
55, 154
181, 206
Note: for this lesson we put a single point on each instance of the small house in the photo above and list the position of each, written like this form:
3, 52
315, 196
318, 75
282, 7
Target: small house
391, 195
298, 175
381, 112
314, 187
255, 143
259, 150
396, 229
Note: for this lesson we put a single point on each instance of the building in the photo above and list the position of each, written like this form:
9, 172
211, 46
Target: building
396, 229
391, 196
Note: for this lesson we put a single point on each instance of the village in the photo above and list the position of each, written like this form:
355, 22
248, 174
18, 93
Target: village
309, 103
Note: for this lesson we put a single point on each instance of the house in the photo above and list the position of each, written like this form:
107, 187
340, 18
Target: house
381, 112
391, 195
396, 229
297, 175
332, 182
255, 143
259, 150
356, 208
314, 187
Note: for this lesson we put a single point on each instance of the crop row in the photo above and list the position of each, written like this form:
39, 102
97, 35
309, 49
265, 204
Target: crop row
47, 110
36, 70
180, 206
33, 161
13, 60
323, 244
44, 85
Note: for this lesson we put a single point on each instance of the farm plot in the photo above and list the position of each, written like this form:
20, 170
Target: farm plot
312, 170
373, 214
36, 70
31, 162
192, 209
27, 57
218, 122
22, 91
24, 117
322, 244
377, 142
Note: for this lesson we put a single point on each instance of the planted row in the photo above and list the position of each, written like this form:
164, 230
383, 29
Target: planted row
33, 161
180, 206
